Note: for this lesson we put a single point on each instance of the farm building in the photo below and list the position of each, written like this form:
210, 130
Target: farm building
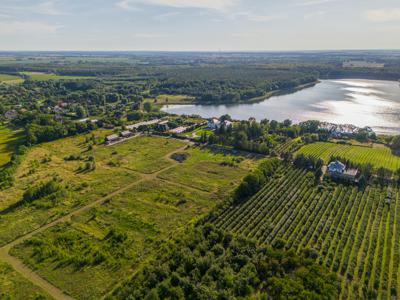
178, 130
112, 138
145, 123
162, 126
126, 134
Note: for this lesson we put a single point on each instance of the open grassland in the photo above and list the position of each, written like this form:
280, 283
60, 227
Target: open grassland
80, 186
9, 141
82, 258
355, 233
87, 255
37, 76
14, 286
377, 156
209, 171
170, 99
10, 78
144, 154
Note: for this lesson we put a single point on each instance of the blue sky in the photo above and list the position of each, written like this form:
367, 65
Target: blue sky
204, 25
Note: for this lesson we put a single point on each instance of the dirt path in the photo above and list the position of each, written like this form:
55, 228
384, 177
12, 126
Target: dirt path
26, 272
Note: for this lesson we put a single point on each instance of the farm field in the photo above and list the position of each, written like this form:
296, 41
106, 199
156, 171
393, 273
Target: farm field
10, 78
9, 140
289, 146
47, 76
377, 156
353, 232
87, 254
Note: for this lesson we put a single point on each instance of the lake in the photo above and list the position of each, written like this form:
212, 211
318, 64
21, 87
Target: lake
347, 101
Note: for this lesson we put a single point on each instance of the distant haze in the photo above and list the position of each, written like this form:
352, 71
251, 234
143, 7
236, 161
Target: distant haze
200, 25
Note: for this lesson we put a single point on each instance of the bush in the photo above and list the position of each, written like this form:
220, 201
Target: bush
41, 191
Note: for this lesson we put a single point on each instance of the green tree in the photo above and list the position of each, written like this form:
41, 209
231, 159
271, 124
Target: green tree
147, 106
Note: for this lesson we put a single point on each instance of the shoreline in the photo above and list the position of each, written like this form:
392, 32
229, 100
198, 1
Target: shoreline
264, 97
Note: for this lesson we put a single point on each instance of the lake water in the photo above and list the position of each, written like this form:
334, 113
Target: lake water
347, 101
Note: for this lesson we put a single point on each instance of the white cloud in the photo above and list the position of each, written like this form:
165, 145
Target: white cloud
241, 35
266, 18
165, 16
18, 28
313, 2
315, 14
258, 17
48, 8
205, 4
383, 15
4, 16
149, 35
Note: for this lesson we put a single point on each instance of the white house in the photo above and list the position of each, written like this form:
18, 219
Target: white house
213, 123
336, 167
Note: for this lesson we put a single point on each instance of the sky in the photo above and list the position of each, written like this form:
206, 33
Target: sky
199, 25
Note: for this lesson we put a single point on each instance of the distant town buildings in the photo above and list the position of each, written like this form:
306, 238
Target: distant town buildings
340, 130
362, 64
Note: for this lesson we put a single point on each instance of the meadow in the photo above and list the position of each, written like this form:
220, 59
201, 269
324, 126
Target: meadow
14, 286
87, 255
6, 78
171, 99
378, 155
38, 76
51, 161
9, 141
352, 232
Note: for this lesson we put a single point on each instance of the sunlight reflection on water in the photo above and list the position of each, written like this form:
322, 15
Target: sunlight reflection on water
359, 102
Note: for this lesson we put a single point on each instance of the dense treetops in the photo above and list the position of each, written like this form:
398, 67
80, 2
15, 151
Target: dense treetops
211, 264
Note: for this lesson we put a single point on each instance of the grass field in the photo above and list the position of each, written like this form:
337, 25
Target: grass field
14, 286
377, 156
171, 99
37, 76
147, 213
208, 171
88, 255
9, 141
145, 154
10, 78
355, 233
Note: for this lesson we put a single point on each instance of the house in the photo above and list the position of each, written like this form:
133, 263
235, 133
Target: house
213, 123
125, 134
336, 167
162, 126
112, 139
227, 123
58, 110
11, 114
338, 170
